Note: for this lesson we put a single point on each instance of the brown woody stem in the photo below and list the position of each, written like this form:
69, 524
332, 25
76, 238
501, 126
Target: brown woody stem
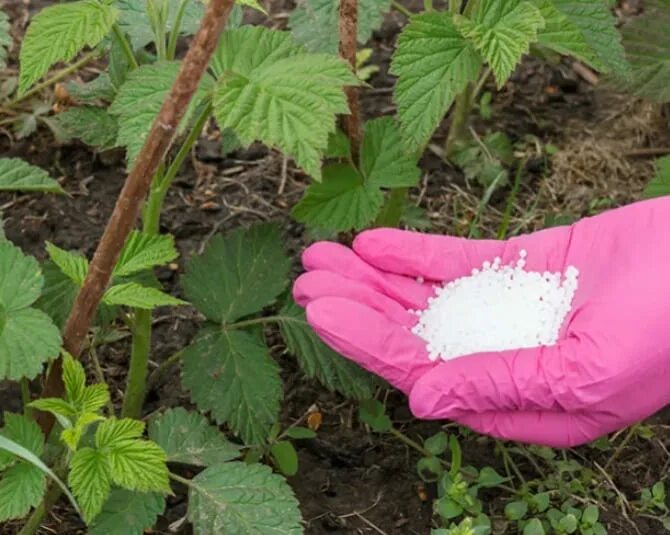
351, 124
129, 202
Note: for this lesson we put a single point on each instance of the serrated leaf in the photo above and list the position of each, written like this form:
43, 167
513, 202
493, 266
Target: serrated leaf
20, 278
143, 251
73, 265
135, 22
502, 32
660, 184
98, 89
95, 397
585, 29
58, 294
128, 513
140, 99
238, 274
242, 499
270, 90
384, 162
56, 406
58, 33
18, 175
187, 437
28, 340
317, 360
139, 465
434, 63
342, 201
253, 4
21, 488
314, 23
135, 295
6, 41
232, 375
21, 438
72, 435
74, 379
93, 125
23, 431
115, 432
90, 480
647, 43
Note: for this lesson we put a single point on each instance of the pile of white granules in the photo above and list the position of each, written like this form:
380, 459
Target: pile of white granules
496, 308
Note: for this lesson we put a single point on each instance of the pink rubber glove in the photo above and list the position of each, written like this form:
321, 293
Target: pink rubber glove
610, 368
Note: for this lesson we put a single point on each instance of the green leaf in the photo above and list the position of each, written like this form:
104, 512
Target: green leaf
647, 44
434, 63
660, 184
238, 274
187, 437
90, 479
21, 437
384, 162
25, 433
28, 340
488, 477
128, 513
516, 510
502, 32
373, 413
300, 433
317, 360
270, 90
231, 374
95, 397
17, 175
448, 508
135, 295
74, 378
534, 527
140, 99
240, 499
113, 432
72, 435
58, 294
285, 457
314, 23
55, 406
568, 524
58, 33
93, 125
143, 251
585, 29
6, 40
590, 515
437, 444
135, 22
341, 202
253, 4
139, 465
21, 488
98, 89
75, 266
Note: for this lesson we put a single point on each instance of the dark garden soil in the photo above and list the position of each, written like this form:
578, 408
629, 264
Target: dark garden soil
351, 481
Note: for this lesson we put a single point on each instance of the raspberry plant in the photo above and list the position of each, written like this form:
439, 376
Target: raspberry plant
285, 89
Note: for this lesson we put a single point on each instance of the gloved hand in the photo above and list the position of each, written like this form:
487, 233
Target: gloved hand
610, 368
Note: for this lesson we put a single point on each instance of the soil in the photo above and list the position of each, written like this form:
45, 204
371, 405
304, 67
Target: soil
351, 481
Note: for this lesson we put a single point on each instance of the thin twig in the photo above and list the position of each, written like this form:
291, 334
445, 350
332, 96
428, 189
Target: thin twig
351, 124
134, 191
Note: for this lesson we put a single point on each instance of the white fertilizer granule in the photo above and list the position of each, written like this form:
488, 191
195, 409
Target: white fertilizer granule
496, 308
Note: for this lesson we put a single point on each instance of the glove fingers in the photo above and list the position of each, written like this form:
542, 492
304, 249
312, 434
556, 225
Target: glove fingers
431, 256
370, 339
339, 259
554, 429
320, 283
440, 258
534, 379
